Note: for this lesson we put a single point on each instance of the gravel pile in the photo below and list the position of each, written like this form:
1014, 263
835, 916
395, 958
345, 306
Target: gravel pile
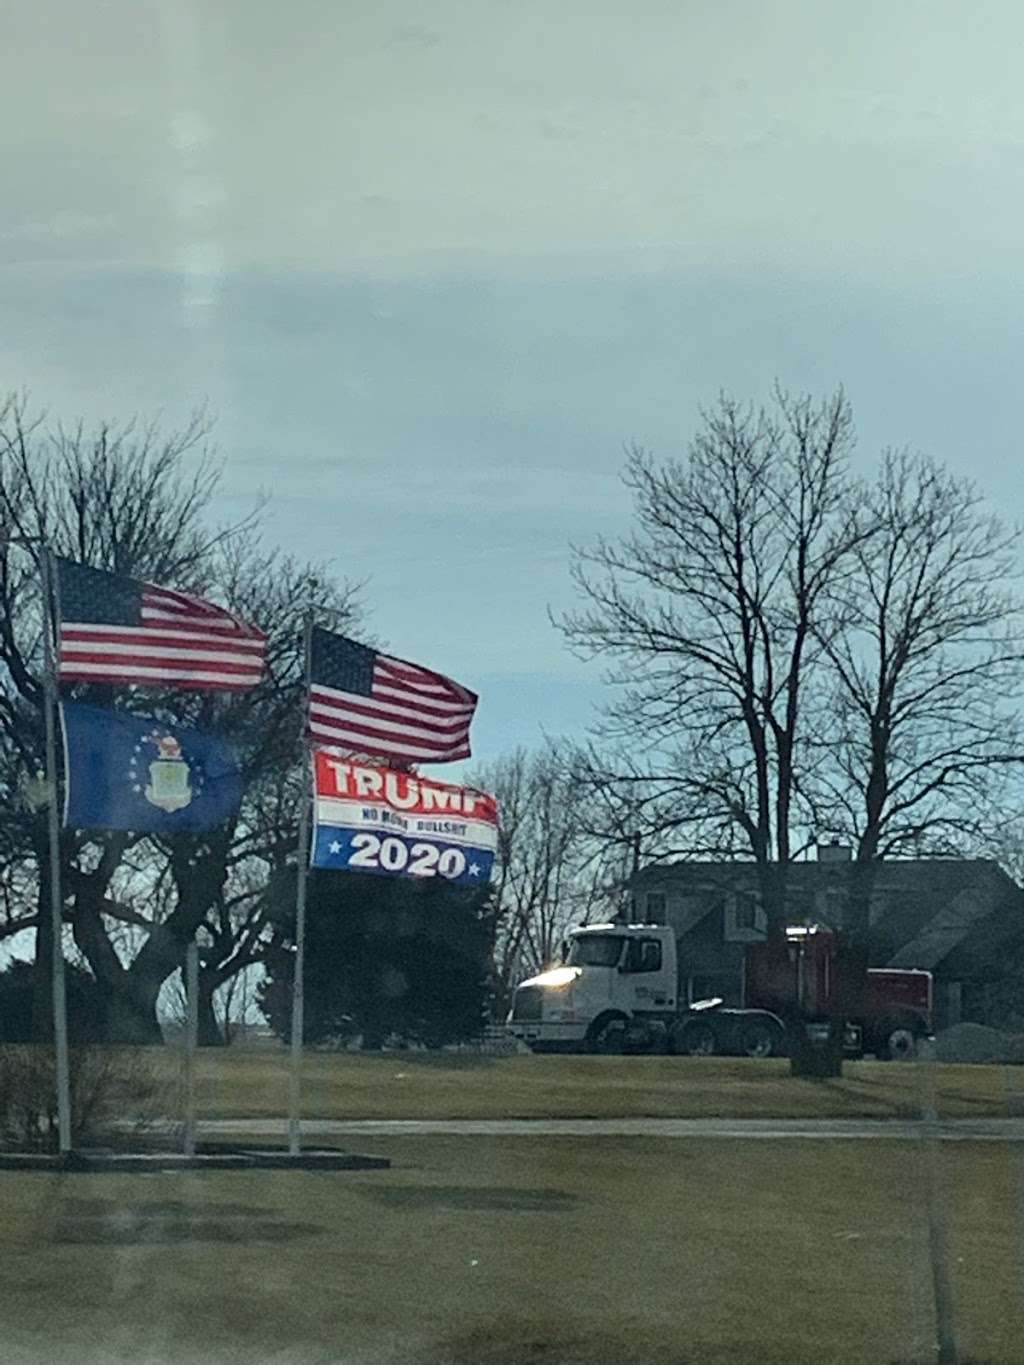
976, 1043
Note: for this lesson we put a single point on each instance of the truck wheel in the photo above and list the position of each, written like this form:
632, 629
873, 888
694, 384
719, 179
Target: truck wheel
898, 1043
607, 1035
696, 1040
759, 1039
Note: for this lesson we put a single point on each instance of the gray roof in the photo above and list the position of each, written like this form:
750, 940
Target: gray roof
922, 908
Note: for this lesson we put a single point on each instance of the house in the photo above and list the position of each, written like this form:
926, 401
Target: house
961, 919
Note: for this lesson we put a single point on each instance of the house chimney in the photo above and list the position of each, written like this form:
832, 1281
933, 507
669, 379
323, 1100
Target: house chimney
835, 852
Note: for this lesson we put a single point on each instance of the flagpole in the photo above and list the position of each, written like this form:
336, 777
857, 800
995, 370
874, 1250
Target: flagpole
60, 1016
191, 1041
302, 871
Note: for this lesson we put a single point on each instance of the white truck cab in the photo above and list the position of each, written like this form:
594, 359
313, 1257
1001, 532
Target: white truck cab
613, 977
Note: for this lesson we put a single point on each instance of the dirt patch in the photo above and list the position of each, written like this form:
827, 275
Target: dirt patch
492, 1199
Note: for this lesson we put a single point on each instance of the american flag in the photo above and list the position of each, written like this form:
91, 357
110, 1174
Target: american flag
372, 703
113, 629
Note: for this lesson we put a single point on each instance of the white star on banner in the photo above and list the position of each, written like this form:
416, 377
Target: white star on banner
474, 869
335, 847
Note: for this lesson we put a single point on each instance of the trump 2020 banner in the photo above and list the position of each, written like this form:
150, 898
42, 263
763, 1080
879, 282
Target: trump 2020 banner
394, 824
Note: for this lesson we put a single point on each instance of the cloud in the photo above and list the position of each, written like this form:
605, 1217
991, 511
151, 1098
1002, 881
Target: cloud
413, 36
501, 136
62, 226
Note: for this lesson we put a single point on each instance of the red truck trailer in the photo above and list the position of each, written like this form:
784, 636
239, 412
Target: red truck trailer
897, 1005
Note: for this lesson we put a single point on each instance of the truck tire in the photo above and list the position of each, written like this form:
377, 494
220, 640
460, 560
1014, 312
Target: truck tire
760, 1038
607, 1035
897, 1042
695, 1040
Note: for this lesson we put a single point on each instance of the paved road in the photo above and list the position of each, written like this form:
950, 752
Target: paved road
951, 1130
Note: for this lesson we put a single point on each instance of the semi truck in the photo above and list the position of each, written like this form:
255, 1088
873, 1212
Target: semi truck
623, 988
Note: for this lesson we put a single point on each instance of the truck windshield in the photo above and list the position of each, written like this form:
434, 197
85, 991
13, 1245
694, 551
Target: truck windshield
595, 950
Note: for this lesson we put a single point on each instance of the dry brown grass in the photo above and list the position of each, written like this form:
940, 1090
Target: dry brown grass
517, 1252
239, 1084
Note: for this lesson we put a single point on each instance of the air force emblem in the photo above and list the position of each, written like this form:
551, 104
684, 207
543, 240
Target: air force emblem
144, 775
170, 786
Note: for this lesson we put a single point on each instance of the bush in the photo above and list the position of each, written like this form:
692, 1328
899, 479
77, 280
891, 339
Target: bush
108, 1086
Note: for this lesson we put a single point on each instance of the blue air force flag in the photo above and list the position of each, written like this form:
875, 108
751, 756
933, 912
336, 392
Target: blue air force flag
135, 773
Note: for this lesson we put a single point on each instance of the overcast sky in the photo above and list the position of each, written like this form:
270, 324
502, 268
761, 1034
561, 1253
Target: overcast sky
433, 265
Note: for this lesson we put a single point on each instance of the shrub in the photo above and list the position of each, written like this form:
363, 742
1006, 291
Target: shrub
110, 1088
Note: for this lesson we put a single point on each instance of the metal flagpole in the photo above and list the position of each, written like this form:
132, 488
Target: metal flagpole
302, 870
191, 1042
60, 1015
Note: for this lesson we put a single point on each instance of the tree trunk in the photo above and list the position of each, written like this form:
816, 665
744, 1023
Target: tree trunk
807, 1059
210, 1034
854, 947
819, 1059
130, 1019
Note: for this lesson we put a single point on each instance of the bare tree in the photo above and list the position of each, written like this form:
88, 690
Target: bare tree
921, 722
551, 872
714, 611
130, 499
236, 1004
799, 653
222, 1011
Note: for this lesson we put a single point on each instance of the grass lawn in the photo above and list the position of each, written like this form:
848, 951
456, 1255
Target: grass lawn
253, 1084
516, 1252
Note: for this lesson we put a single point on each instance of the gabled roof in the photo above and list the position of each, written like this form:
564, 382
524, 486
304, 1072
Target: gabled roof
948, 928
922, 908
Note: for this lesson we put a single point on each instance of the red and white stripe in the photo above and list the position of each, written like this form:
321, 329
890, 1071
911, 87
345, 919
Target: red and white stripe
411, 714
182, 641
